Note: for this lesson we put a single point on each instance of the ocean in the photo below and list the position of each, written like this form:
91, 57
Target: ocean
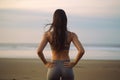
29, 50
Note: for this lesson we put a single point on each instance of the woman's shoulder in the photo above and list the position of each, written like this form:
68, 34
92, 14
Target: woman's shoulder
45, 34
48, 35
72, 34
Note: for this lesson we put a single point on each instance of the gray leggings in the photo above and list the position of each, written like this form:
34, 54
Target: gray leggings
59, 72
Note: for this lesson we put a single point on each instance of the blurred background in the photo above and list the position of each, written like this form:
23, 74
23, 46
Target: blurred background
96, 22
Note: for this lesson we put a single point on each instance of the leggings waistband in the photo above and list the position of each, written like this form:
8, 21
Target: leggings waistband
60, 60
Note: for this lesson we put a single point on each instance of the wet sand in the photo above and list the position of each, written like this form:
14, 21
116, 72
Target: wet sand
33, 69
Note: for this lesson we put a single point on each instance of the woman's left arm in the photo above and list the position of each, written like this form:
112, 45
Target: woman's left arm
41, 48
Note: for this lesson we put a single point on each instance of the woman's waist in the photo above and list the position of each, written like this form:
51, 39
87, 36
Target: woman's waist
60, 63
67, 60
60, 58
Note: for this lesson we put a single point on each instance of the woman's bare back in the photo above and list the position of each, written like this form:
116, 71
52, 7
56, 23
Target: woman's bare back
63, 54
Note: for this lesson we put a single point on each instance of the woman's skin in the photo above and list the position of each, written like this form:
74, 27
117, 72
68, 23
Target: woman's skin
63, 54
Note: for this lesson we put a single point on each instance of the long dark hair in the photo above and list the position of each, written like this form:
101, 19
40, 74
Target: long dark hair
59, 26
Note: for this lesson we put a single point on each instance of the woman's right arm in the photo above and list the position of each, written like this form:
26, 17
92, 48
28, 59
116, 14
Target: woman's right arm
79, 47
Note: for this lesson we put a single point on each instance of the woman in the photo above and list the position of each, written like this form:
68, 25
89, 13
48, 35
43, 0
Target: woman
59, 38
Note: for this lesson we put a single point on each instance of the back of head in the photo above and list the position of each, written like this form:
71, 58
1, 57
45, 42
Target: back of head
59, 26
60, 19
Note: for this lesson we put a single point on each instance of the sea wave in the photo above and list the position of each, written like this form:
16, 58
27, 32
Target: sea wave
32, 46
28, 50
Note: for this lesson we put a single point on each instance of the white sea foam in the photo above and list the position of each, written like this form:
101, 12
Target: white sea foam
30, 51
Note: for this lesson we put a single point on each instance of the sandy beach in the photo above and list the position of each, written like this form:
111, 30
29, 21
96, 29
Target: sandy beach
33, 69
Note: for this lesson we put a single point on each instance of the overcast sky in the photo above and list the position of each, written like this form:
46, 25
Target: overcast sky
95, 21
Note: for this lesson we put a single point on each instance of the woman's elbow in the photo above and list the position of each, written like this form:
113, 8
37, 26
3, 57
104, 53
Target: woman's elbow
39, 52
82, 51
